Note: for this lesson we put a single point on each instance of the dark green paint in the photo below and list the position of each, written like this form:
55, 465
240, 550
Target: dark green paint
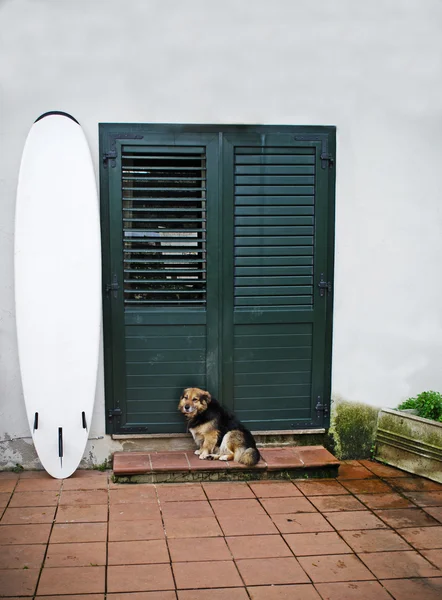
261, 339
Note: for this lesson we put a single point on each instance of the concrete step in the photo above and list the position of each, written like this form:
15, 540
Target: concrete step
295, 462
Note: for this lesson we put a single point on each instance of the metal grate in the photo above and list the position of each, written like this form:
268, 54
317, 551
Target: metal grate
164, 227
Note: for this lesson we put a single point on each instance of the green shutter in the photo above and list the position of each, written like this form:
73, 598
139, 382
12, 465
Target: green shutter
274, 359
159, 204
217, 238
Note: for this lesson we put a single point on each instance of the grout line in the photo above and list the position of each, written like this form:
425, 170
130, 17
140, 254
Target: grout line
352, 581
3, 510
282, 536
107, 537
417, 549
353, 552
389, 527
188, 461
49, 538
224, 537
166, 540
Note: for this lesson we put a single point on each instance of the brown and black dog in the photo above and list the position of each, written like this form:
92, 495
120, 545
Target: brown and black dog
218, 434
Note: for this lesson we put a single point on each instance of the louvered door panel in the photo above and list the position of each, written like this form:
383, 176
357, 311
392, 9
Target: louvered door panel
164, 227
274, 226
161, 360
276, 319
165, 238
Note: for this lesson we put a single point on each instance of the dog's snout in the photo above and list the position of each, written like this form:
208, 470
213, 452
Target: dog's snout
187, 406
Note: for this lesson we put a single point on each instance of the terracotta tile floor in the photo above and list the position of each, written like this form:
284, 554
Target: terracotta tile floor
373, 533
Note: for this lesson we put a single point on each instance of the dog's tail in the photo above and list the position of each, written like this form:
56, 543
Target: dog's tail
248, 457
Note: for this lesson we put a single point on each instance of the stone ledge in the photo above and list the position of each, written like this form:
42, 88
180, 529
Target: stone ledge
164, 442
270, 432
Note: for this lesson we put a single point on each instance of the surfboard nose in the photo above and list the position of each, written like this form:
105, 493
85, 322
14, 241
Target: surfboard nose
56, 112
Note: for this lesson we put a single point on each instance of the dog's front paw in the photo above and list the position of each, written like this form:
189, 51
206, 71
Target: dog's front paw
197, 452
203, 455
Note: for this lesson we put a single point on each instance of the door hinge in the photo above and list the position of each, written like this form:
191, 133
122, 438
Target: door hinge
321, 408
324, 285
114, 412
113, 287
325, 156
112, 154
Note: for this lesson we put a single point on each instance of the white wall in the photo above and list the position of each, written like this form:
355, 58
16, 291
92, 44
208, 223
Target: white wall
372, 69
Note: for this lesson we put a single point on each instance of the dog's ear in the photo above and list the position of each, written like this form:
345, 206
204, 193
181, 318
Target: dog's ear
206, 397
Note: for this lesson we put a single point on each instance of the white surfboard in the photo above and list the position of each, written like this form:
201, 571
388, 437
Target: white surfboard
58, 289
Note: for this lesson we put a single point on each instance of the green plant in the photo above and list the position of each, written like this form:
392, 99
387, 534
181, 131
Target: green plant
353, 428
104, 466
409, 403
428, 405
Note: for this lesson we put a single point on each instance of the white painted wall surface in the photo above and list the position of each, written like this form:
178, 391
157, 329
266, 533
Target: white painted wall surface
372, 69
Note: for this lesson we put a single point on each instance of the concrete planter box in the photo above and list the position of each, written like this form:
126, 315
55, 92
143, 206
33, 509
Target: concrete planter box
409, 442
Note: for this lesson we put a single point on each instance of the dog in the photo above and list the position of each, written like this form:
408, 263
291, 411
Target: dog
218, 434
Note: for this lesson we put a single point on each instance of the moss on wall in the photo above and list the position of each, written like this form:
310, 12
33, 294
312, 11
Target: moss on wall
353, 429
419, 431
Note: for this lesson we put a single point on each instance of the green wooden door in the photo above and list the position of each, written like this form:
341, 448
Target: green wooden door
275, 245
163, 203
217, 242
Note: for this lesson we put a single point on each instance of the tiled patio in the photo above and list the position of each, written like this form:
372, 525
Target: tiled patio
372, 533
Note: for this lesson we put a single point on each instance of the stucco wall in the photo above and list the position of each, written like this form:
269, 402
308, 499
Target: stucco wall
372, 69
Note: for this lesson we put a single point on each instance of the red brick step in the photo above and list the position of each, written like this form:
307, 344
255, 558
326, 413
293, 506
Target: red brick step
276, 463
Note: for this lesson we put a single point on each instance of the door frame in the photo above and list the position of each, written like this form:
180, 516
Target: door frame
112, 136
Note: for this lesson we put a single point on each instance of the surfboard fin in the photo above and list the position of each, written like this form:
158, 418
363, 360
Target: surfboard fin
36, 421
83, 419
60, 442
